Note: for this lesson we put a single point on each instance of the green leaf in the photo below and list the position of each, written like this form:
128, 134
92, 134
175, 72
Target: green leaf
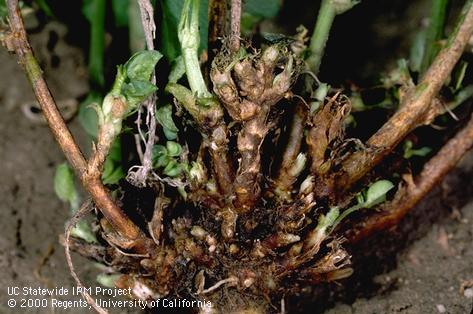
421, 152
357, 102
82, 230
434, 32
64, 183
94, 11
178, 69
173, 169
136, 34
88, 116
173, 148
113, 171
120, 12
377, 193
108, 280
409, 151
160, 156
171, 10
170, 135
164, 117
108, 168
115, 153
321, 92
114, 175
417, 51
141, 65
262, 8
137, 91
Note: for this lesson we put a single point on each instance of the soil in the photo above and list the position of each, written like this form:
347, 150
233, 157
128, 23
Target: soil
31, 216
424, 266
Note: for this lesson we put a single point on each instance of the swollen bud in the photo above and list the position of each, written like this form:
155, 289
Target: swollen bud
114, 109
270, 55
197, 172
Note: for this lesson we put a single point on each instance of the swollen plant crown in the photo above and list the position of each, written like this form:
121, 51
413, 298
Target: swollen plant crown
233, 221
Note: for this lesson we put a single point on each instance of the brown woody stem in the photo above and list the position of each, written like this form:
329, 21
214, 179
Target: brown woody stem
221, 162
433, 172
122, 224
414, 106
235, 25
285, 180
55, 121
246, 185
213, 129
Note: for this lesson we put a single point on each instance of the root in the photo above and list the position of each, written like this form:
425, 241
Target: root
84, 210
89, 173
434, 170
256, 239
413, 108
230, 280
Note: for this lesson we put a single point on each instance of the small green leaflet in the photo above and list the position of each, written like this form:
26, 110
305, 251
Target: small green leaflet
113, 171
409, 151
137, 91
377, 193
174, 149
178, 69
164, 117
82, 230
107, 280
374, 195
64, 183
164, 157
141, 65
88, 116
136, 74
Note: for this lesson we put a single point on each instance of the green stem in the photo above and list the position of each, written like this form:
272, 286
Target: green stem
328, 10
189, 39
136, 36
344, 215
119, 81
97, 43
434, 32
320, 36
194, 74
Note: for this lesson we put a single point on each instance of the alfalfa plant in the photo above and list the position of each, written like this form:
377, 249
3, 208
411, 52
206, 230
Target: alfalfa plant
252, 175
